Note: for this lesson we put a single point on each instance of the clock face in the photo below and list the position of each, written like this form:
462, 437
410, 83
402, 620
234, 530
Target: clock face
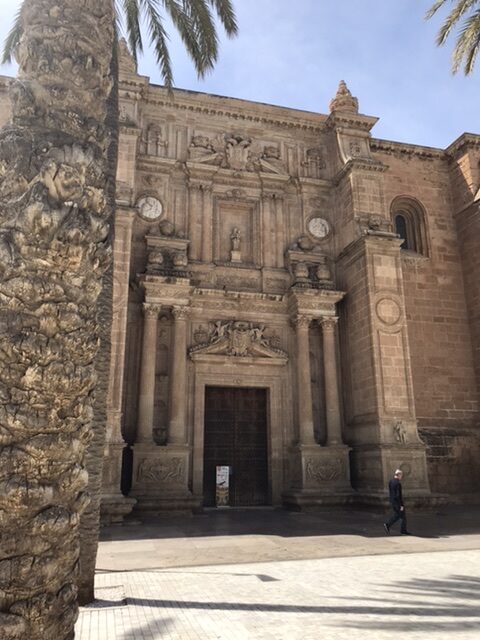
150, 208
319, 227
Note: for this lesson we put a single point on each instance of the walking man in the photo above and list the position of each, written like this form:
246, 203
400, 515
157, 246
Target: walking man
396, 500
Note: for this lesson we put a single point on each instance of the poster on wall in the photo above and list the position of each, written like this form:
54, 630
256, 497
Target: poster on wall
222, 486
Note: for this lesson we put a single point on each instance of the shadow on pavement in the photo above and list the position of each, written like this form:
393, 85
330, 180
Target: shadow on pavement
441, 594
278, 522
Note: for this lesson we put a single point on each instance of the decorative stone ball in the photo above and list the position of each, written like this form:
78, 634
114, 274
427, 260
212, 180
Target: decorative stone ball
180, 260
323, 271
305, 243
166, 228
301, 270
155, 257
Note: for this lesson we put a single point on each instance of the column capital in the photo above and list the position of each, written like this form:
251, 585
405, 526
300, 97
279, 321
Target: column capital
180, 313
151, 310
205, 187
328, 323
301, 321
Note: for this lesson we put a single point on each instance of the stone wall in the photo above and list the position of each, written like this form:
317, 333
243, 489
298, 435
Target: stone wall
445, 385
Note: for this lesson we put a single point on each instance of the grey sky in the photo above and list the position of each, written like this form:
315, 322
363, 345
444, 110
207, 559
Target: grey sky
294, 52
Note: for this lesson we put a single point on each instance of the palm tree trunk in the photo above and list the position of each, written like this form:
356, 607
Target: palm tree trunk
54, 251
90, 518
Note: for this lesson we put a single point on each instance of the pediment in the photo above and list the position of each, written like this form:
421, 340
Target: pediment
240, 340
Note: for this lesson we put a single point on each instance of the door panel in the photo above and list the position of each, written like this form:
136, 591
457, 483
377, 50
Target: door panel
236, 435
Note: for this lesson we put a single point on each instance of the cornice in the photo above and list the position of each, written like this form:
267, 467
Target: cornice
347, 120
392, 147
359, 164
235, 109
463, 142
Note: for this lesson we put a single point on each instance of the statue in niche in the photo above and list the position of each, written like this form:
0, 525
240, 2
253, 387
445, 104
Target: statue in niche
236, 238
153, 143
314, 162
400, 432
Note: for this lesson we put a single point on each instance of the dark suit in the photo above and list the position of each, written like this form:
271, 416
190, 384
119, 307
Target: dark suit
396, 500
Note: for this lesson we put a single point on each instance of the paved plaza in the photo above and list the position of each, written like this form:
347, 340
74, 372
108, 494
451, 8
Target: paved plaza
280, 575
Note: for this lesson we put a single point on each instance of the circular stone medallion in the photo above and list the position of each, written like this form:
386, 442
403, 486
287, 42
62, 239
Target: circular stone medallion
150, 208
319, 228
388, 311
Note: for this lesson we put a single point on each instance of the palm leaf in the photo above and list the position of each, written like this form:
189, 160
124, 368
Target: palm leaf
193, 20
13, 38
467, 45
468, 39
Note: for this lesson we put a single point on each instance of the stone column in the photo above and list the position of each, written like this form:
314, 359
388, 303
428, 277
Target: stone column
332, 400
266, 229
195, 209
178, 378
147, 374
280, 232
207, 224
305, 408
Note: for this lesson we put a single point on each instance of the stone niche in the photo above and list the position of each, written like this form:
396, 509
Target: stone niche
244, 217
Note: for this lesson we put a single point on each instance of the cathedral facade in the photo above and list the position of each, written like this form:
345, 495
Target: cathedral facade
294, 299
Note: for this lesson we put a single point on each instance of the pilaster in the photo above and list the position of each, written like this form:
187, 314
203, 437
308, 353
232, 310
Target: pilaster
380, 410
114, 506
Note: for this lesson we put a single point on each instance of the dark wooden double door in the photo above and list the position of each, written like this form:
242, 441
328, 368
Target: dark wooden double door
236, 436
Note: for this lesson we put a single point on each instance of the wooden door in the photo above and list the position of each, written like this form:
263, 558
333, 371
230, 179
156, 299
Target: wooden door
236, 435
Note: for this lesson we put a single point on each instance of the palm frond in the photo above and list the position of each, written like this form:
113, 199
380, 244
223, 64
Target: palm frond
131, 13
434, 8
184, 25
468, 40
193, 19
12, 40
158, 39
467, 45
453, 19
206, 34
225, 12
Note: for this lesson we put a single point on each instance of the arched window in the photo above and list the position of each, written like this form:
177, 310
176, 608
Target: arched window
408, 219
404, 232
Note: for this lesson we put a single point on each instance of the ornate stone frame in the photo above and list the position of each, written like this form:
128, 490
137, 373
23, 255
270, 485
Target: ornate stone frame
250, 205
237, 372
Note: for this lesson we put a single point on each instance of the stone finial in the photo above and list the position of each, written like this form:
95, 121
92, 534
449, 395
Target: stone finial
126, 61
343, 100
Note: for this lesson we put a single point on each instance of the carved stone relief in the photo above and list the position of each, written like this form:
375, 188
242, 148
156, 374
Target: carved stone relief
237, 338
323, 470
373, 224
388, 311
237, 152
164, 471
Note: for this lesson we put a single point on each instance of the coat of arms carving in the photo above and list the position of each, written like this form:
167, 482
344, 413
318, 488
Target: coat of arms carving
237, 338
237, 152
